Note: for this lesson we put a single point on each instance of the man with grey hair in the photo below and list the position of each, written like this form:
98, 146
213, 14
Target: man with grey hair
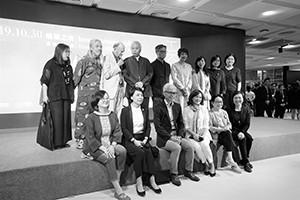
113, 80
169, 125
138, 73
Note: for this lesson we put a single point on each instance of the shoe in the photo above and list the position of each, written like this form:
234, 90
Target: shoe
86, 156
247, 168
157, 191
236, 169
212, 174
142, 194
191, 176
122, 196
250, 165
207, 173
175, 180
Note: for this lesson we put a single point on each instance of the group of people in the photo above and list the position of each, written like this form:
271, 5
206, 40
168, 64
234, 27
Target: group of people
274, 100
188, 113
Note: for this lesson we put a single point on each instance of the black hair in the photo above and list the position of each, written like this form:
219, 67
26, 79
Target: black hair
160, 46
213, 58
59, 49
96, 98
192, 95
213, 98
182, 50
228, 55
197, 68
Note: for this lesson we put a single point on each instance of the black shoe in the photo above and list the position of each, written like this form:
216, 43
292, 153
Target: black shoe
247, 168
250, 165
142, 194
207, 173
191, 176
212, 174
157, 191
175, 180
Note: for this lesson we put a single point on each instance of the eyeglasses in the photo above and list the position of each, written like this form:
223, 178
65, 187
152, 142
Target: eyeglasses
218, 102
171, 92
104, 99
162, 51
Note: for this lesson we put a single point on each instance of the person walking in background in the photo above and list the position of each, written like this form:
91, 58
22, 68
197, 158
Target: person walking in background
182, 77
294, 100
87, 77
240, 116
58, 91
169, 126
216, 77
263, 98
161, 72
200, 80
280, 102
250, 97
113, 80
138, 73
196, 121
233, 78
102, 140
136, 132
220, 128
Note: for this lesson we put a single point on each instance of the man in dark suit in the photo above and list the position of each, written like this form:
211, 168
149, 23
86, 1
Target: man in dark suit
263, 98
170, 130
161, 72
138, 73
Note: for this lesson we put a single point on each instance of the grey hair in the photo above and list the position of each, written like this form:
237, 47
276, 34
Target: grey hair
168, 85
93, 41
137, 43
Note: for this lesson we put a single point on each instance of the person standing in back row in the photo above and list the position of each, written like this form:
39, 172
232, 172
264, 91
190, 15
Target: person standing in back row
113, 80
87, 78
233, 78
161, 72
138, 73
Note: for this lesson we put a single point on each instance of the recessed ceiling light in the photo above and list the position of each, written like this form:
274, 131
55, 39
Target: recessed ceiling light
287, 33
183, 0
233, 25
160, 13
270, 58
269, 13
254, 41
289, 46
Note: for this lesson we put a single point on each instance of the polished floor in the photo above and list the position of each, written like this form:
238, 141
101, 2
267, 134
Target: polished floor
275, 179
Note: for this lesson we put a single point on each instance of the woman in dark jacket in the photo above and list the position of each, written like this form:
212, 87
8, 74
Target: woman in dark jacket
239, 116
58, 92
136, 130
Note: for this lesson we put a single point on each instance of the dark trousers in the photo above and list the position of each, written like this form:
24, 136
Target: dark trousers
261, 108
142, 158
61, 117
279, 111
244, 145
225, 139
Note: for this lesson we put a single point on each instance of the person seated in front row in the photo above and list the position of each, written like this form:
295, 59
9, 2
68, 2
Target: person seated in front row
196, 120
136, 130
239, 116
170, 130
220, 128
102, 140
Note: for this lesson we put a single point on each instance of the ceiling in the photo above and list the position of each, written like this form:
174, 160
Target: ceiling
269, 33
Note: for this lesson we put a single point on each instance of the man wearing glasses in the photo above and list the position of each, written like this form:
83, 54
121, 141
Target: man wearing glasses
161, 72
170, 130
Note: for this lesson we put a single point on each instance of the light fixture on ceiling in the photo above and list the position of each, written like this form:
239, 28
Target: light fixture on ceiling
183, 0
160, 13
264, 31
288, 46
286, 33
254, 41
270, 58
269, 13
233, 25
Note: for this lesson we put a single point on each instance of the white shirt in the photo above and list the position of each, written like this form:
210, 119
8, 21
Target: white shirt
138, 119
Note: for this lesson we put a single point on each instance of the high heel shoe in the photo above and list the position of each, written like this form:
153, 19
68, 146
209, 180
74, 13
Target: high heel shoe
142, 194
212, 174
157, 191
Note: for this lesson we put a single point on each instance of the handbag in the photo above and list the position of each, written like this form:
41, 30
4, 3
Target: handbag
45, 129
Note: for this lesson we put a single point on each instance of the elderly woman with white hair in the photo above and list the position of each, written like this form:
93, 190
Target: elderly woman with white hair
87, 77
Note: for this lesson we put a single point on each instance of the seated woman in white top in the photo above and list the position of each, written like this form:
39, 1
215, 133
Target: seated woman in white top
220, 128
196, 120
